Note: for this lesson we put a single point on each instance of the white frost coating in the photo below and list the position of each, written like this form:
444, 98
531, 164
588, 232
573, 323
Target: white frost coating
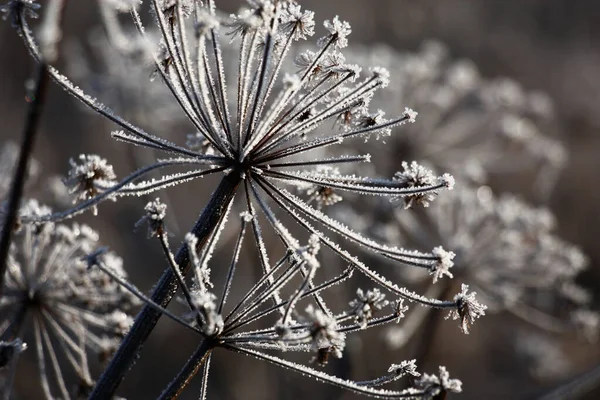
338, 32
365, 185
145, 187
442, 267
326, 378
342, 229
412, 114
403, 292
448, 181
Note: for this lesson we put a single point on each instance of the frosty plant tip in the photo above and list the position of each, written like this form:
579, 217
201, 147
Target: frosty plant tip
275, 133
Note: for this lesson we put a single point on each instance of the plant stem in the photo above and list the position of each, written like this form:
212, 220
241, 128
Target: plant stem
191, 367
18, 182
164, 290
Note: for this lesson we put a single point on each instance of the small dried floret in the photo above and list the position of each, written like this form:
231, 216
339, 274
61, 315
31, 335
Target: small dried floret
407, 367
204, 303
299, 24
308, 253
443, 265
156, 212
366, 304
205, 23
411, 114
434, 385
399, 309
338, 32
305, 60
374, 119
381, 75
324, 195
325, 339
468, 309
169, 7
89, 176
248, 21
414, 176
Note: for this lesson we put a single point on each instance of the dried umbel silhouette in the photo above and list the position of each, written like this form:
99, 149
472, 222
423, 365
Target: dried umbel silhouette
272, 135
475, 127
509, 253
49, 293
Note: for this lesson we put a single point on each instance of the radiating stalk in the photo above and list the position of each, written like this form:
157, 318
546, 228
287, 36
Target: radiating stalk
189, 370
164, 290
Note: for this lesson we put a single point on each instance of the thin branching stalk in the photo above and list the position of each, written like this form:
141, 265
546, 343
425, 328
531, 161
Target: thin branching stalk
198, 359
164, 291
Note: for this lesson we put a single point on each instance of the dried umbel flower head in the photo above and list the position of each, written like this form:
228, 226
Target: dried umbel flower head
273, 133
474, 127
508, 252
69, 309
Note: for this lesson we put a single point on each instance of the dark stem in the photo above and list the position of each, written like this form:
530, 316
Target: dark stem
165, 290
189, 370
16, 190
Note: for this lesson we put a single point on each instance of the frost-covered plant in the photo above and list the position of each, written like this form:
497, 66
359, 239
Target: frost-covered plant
272, 134
53, 301
474, 127
508, 253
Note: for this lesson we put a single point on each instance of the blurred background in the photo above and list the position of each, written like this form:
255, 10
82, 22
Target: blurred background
545, 45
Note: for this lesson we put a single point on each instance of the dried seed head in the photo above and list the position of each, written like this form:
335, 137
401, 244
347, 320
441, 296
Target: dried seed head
367, 304
325, 339
438, 385
296, 22
338, 33
156, 212
468, 309
89, 176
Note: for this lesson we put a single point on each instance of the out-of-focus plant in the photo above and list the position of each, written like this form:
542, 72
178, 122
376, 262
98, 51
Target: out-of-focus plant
477, 128
52, 299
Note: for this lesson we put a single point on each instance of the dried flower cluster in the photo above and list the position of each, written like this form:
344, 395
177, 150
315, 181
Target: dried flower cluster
51, 298
278, 138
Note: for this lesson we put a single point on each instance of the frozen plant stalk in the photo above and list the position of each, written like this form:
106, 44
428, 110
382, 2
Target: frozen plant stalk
272, 135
